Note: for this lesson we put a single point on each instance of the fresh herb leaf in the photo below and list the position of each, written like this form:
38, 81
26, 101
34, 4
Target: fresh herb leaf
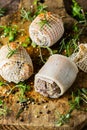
1, 102
77, 99
3, 109
27, 42
37, 8
63, 118
69, 44
19, 112
26, 15
23, 86
44, 47
10, 31
40, 9
67, 47
77, 11
2, 83
11, 51
2, 12
22, 89
44, 21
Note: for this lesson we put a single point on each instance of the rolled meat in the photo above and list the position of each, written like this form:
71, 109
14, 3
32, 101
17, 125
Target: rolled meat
46, 29
15, 67
56, 76
80, 58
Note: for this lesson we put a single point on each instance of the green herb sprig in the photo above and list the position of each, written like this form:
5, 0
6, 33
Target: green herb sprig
2, 12
69, 44
39, 8
36, 9
78, 98
10, 31
26, 14
22, 89
44, 21
48, 49
3, 109
2, 83
11, 51
77, 11
27, 42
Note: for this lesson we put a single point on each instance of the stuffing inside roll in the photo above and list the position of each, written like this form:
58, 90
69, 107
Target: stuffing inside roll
47, 89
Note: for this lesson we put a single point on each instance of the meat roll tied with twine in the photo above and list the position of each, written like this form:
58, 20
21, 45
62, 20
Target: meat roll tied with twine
15, 63
80, 57
46, 29
56, 76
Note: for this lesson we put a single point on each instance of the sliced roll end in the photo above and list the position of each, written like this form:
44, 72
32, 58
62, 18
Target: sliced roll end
47, 89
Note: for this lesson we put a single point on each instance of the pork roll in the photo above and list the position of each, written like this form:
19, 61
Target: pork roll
46, 29
80, 58
56, 76
15, 63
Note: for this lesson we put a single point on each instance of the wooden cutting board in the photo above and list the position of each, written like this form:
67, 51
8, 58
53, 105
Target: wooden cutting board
43, 114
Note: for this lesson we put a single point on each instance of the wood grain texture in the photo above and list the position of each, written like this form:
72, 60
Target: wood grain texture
46, 120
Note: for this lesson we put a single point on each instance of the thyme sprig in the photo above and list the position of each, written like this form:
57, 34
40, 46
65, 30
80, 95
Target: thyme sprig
36, 8
77, 99
44, 21
44, 47
22, 88
69, 44
11, 51
26, 14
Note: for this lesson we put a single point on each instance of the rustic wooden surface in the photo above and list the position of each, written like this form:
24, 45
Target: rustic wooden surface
43, 116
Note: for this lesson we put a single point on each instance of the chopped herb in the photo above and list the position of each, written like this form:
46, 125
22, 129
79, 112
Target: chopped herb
44, 21
2, 12
35, 10
11, 51
3, 109
77, 99
19, 112
26, 15
22, 89
77, 11
67, 47
2, 83
1, 102
48, 48
27, 42
63, 118
40, 9
10, 31
69, 44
